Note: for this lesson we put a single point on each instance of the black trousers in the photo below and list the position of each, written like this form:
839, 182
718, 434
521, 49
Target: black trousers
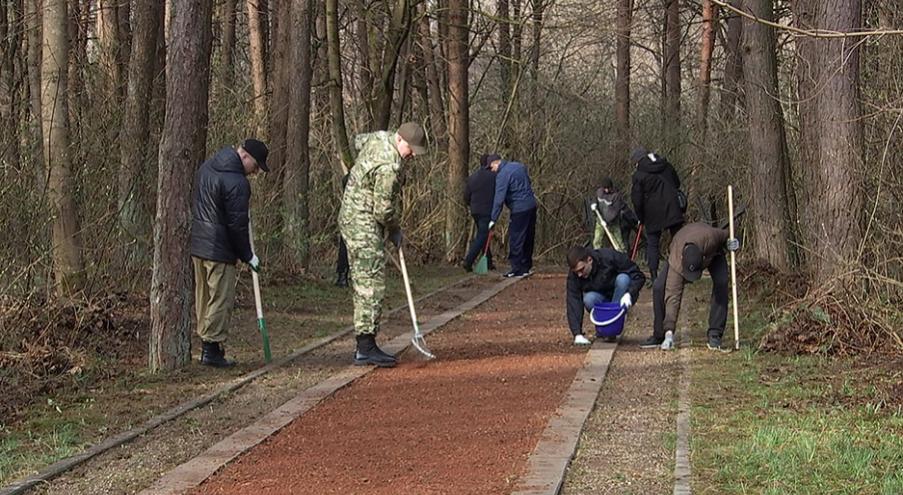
479, 240
667, 292
341, 263
521, 236
653, 242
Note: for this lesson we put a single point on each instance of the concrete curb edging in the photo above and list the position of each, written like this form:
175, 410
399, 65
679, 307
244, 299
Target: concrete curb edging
682, 449
59, 467
548, 463
192, 473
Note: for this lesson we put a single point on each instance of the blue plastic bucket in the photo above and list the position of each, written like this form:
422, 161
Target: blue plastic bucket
609, 319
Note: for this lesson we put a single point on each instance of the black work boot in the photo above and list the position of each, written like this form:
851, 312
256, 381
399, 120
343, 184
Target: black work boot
341, 279
369, 353
213, 354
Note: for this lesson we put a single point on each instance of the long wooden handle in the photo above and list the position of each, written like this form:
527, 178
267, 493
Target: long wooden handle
407, 290
730, 211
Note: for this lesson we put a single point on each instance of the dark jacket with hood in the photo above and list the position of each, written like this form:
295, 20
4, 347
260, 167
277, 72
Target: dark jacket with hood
219, 227
607, 265
654, 194
479, 191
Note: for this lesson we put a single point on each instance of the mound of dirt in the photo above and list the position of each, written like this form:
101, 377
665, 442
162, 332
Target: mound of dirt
46, 346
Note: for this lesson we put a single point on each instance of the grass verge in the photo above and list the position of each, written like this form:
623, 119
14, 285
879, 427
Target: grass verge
766, 423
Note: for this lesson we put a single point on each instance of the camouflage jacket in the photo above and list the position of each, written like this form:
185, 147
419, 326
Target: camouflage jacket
373, 193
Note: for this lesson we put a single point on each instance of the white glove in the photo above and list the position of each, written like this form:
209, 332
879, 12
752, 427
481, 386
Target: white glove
254, 263
491, 224
626, 301
733, 244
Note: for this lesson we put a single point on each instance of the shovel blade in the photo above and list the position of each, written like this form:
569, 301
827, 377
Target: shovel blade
482, 266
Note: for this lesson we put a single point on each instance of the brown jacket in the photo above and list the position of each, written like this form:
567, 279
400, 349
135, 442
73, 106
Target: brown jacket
709, 240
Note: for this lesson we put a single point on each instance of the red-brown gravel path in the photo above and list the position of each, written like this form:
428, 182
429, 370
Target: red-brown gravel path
464, 423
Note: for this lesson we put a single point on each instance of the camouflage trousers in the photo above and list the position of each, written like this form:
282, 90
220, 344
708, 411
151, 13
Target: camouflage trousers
366, 252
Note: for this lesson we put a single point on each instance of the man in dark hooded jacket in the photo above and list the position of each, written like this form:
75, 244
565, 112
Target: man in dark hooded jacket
655, 195
596, 276
220, 236
479, 192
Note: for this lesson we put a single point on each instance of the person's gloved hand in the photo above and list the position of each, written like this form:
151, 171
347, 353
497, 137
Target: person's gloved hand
733, 244
626, 301
254, 263
397, 238
491, 224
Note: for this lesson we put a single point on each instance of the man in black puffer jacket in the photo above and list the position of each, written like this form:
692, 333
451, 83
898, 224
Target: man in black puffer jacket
655, 201
220, 237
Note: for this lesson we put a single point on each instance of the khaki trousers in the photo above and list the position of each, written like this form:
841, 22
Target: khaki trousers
214, 296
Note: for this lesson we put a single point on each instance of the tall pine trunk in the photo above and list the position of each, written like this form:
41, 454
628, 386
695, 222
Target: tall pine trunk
295, 185
334, 55
67, 247
458, 127
769, 167
707, 46
257, 43
181, 150
134, 217
830, 134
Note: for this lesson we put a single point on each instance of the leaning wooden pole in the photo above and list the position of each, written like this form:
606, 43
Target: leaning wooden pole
730, 212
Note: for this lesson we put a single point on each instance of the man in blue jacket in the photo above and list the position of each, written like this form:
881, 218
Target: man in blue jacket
220, 236
513, 189
478, 193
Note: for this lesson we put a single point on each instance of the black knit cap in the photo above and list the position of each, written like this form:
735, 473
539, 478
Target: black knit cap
258, 150
637, 154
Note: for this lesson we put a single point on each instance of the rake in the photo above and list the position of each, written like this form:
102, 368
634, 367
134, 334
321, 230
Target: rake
417, 339
611, 238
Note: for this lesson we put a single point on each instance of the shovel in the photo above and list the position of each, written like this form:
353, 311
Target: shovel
482, 266
611, 238
261, 324
417, 339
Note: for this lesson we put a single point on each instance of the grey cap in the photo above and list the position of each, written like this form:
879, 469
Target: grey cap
414, 135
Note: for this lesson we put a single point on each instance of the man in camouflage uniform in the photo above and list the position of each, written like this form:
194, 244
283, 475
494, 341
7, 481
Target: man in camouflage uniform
371, 209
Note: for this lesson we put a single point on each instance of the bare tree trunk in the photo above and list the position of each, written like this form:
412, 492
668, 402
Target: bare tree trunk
67, 247
709, 25
279, 103
343, 148
538, 10
733, 66
365, 75
458, 127
830, 134
504, 51
768, 160
258, 68
622, 81
228, 58
399, 28
9, 100
78, 60
295, 186
434, 88
34, 35
181, 149
134, 217
108, 38
672, 62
